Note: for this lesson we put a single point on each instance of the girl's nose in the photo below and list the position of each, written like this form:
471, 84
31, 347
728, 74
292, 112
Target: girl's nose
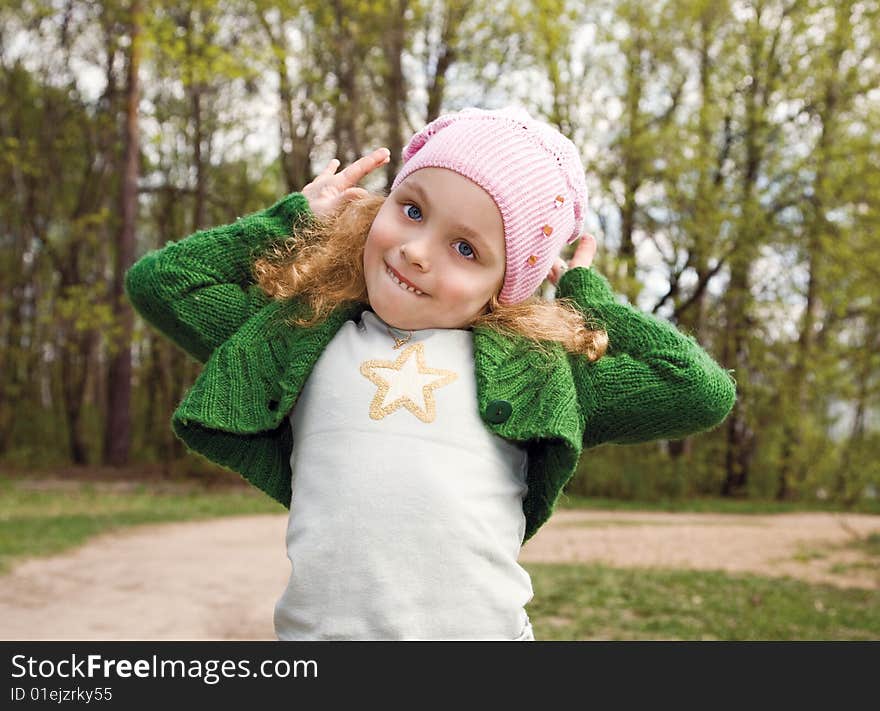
415, 252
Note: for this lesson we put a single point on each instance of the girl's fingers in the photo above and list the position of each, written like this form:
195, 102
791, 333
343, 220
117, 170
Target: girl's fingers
331, 167
353, 193
585, 251
559, 266
362, 167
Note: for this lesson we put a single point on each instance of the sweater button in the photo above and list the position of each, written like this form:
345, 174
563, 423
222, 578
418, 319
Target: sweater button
498, 411
273, 405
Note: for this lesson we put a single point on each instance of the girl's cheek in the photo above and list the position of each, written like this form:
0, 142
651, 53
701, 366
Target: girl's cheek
382, 239
463, 289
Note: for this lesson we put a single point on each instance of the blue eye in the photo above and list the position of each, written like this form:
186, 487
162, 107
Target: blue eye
412, 212
470, 250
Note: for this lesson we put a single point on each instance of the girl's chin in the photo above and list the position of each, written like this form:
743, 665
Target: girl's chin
395, 315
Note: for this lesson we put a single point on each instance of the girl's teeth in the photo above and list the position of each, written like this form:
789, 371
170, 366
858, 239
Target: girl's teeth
402, 285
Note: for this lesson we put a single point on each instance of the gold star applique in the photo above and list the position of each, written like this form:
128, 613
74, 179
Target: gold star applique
407, 382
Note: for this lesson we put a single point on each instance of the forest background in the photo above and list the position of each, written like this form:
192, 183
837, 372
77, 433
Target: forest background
731, 151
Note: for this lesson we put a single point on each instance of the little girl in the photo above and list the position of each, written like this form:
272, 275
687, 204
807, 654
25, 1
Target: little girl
382, 366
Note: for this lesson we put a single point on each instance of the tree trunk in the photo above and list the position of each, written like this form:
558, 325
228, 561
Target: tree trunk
740, 437
117, 429
160, 403
74, 358
348, 139
13, 358
692, 317
395, 41
170, 447
292, 179
632, 166
738, 434
296, 144
447, 53
863, 379
199, 218
763, 75
793, 464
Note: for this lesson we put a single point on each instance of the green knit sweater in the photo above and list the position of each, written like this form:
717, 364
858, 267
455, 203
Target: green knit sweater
653, 383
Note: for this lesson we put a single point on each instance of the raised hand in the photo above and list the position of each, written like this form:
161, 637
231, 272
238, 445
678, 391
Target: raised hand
582, 257
329, 190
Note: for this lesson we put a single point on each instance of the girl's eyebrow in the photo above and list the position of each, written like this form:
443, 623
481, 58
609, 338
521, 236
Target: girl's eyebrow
464, 229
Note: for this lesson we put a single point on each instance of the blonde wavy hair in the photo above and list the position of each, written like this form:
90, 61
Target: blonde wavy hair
322, 263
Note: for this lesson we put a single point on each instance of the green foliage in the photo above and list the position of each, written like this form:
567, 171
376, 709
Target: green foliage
591, 602
29, 437
715, 504
613, 471
731, 156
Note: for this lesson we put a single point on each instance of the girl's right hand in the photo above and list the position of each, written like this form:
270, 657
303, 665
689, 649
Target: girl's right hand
582, 257
329, 190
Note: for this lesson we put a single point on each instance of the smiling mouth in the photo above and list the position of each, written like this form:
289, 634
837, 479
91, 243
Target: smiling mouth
401, 284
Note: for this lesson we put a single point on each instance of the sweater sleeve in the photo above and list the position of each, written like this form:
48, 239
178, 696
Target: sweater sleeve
654, 382
200, 290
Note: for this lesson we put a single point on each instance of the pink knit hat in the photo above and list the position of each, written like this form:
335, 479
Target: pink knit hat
533, 173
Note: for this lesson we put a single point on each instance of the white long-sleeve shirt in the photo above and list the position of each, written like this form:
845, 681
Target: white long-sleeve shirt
406, 516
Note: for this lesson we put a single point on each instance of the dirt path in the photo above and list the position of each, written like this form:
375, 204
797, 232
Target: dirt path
220, 579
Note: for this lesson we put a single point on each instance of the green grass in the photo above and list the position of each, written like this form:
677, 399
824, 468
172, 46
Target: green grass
591, 602
634, 522
42, 522
733, 506
871, 544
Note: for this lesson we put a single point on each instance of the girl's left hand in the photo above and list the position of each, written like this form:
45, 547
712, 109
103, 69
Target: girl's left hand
582, 257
